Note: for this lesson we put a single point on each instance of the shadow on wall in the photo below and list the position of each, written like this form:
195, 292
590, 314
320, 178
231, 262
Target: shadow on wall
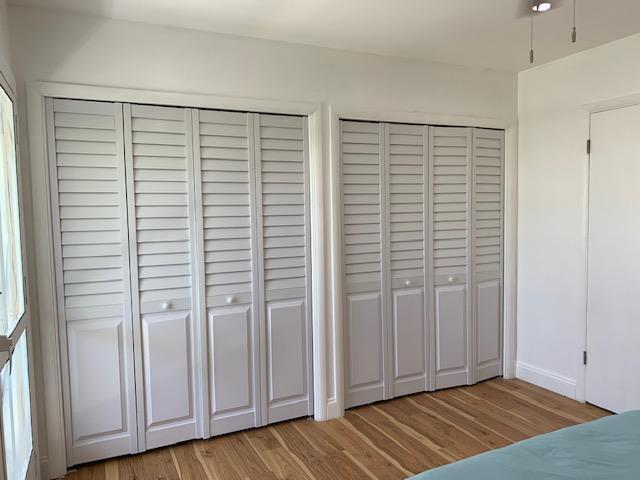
69, 37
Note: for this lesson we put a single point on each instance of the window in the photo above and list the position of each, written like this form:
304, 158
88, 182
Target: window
16, 427
11, 279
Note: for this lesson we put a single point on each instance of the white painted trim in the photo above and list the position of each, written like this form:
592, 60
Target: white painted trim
335, 257
46, 284
544, 378
510, 253
43, 232
335, 227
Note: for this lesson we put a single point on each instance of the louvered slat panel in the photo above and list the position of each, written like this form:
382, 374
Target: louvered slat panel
406, 201
226, 206
487, 203
283, 184
161, 194
86, 156
361, 206
450, 203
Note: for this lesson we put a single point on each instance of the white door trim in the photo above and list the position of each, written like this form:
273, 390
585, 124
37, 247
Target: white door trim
336, 397
56, 464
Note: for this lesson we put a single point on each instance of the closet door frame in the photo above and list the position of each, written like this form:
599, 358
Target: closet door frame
510, 180
55, 465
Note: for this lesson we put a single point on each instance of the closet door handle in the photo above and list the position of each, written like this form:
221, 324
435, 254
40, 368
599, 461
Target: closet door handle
229, 300
451, 279
165, 306
407, 283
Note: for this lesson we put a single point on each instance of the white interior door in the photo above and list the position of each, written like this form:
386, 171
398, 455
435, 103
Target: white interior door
88, 197
613, 311
224, 155
365, 329
159, 163
450, 161
487, 233
282, 178
406, 181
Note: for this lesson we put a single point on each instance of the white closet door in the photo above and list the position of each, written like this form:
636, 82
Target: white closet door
87, 175
450, 161
283, 232
365, 335
160, 198
225, 191
487, 208
406, 155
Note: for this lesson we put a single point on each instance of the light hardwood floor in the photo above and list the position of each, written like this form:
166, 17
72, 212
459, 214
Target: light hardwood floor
387, 440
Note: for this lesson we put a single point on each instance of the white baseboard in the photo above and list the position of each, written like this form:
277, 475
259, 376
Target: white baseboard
546, 379
332, 409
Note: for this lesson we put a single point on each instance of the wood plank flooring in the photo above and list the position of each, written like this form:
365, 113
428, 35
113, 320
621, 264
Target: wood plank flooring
387, 440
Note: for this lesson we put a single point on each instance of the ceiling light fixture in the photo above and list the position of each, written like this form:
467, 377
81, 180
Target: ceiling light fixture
541, 6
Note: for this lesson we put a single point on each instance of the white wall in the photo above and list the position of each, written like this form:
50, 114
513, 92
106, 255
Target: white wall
5, 49
61, 47
554, 105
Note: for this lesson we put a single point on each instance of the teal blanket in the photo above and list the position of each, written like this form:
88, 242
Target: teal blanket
608, 448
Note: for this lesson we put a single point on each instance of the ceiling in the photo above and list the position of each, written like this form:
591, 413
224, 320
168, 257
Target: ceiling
479, 33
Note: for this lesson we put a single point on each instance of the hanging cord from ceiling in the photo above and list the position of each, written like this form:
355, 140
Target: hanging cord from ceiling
573, 32
531, 16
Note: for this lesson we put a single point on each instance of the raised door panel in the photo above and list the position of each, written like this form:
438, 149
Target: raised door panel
166, 344
87, 174
364, 342
488, 304
287, 381
487, 239
224, 154
284, 264
97, 375
450, 166
451, 336
406, 183
231, 350
362, 153
409, 337
158, 144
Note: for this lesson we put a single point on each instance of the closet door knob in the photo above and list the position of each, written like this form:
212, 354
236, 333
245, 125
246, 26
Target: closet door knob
165, 306
229, 300
407, 283
450, 279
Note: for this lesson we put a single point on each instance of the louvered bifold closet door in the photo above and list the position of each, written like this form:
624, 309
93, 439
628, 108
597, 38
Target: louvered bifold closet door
283, 218
487, 241
362, 161
406, 148
225, 192
159, 175
87, 173
450, 163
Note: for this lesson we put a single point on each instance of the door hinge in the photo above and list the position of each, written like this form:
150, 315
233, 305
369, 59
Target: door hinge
25, 290
589, 145
584, 357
